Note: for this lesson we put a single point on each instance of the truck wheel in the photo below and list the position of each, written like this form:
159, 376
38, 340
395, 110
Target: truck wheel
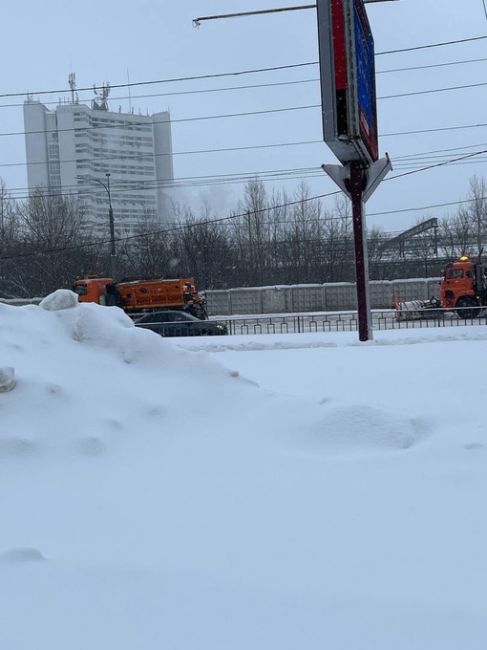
466, 307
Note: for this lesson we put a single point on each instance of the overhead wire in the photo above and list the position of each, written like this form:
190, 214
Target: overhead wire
232, 73
439, 164
252, 86
192, 152
315, 106
142, 185
274, 174
427, 67
245, 214
432, 45
205, 222
433, 90
434, 130
435, 151
172, 229
133, 124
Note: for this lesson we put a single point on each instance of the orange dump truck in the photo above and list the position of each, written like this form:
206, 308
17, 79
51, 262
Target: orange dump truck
143, 295
463, 288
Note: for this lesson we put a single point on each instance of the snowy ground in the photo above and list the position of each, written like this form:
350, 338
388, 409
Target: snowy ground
274, 492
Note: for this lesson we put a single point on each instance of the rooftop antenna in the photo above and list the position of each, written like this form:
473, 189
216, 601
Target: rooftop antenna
100, 101
128, 86
72, 85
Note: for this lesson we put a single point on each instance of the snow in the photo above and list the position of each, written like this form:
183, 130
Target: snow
277, 491
7, 379
60, 299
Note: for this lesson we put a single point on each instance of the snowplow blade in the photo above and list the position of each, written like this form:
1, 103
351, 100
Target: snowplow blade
418, 309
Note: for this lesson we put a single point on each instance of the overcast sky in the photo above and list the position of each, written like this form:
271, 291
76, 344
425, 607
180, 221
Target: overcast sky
113, 40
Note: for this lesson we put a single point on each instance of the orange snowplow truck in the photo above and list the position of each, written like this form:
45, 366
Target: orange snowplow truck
143, 295
463, 288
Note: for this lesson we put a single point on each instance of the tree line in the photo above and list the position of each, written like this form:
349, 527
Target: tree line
269, 238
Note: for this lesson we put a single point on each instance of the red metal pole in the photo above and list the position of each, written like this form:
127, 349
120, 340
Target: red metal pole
357, 181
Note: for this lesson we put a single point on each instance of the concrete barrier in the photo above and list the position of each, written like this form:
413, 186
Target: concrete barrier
337, 296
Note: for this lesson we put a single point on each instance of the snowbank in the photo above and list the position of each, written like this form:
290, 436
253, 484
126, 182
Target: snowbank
309, 493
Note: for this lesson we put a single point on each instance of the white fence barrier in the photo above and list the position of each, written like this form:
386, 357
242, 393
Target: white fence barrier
297, 298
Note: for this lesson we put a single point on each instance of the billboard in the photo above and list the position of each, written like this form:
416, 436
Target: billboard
347, 69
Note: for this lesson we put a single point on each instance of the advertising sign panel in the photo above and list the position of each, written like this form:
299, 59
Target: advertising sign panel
347, 69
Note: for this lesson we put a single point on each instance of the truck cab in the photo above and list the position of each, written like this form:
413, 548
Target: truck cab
463, 286
99, 290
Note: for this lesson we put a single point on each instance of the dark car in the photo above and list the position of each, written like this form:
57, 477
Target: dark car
179, 323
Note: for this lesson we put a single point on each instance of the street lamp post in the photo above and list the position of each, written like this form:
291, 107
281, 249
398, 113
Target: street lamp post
113, 254
243, 14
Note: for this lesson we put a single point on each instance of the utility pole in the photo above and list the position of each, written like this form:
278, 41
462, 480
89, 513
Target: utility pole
113, 254
356, 189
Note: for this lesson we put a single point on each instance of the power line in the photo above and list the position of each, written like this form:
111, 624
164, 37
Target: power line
241, 215
253, 86
179, 153
414, 163
134, 123
152, 184
193, 152
433, 151
435, 130
182, 92
432, 91
121, 187
168, 230
431, 45
203, 151
153, 82
230, 74
420, 67
190, 226
440, 164
425, 207
274, 174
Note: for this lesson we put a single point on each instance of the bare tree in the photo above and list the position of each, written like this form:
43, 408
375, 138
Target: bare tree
474, 213
204, 249
52, 244
149, 252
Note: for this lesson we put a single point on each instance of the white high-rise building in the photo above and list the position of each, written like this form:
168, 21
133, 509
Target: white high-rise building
71, 151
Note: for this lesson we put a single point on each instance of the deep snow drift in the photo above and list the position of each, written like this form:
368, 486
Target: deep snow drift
159, 497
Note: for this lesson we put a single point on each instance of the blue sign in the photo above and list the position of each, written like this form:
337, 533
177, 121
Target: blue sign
365, 71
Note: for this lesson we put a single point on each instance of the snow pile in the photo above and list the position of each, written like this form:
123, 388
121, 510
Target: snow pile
60, 299
122, 380
361, 428
89, 376
293, 496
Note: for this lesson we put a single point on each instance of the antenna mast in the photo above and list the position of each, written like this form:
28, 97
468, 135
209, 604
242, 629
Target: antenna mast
72, 85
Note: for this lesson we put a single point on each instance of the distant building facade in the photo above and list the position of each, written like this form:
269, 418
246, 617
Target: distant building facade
70, 151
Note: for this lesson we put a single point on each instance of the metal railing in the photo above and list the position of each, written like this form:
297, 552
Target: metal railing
347, 322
